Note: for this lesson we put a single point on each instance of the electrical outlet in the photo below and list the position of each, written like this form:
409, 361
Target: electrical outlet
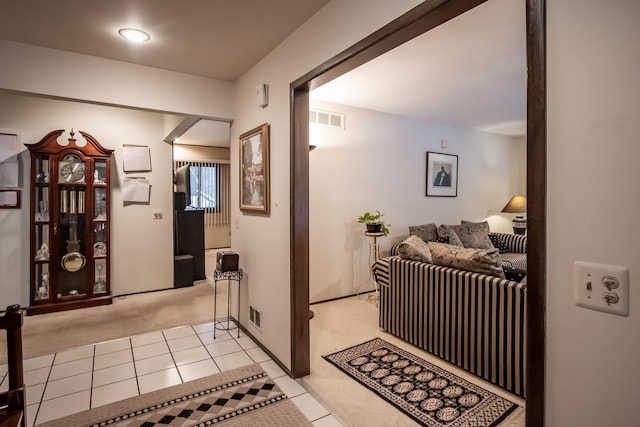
157, 214
601, 287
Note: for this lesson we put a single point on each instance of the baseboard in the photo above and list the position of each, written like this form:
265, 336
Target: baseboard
263, 348
343, 297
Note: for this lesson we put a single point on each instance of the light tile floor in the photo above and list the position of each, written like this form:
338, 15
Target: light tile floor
86, 377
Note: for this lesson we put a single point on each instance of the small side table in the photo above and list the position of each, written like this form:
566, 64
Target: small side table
374, 254
228, 276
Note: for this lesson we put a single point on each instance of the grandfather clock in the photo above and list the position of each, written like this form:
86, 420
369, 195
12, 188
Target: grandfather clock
70, 200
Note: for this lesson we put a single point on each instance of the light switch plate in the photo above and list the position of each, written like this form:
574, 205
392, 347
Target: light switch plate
601, 287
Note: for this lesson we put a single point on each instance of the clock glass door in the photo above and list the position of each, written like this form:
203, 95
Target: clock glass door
100, 227
72, 222
41, 228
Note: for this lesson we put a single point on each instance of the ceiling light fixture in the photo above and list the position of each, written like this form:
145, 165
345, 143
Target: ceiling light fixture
134, 35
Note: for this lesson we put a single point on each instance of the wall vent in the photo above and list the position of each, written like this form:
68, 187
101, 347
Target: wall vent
327, 118
254, 316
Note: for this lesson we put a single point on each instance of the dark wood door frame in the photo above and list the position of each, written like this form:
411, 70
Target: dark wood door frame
417, 21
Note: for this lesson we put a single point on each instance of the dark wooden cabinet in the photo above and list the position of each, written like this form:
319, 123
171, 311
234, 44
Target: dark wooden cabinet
189, 238
70, 209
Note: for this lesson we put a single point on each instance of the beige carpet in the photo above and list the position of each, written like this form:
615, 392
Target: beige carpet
127, 316
244, 396
348, 322
421, 390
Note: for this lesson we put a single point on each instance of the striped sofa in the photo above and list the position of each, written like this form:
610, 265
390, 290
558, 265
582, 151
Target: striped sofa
516, 257
474, 321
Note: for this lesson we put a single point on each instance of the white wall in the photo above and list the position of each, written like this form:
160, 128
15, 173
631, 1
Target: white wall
142, 248
378, 162
263, 242
54, 72
592, 108
593, 174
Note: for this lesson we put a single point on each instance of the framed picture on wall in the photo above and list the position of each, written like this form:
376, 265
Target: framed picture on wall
9, 199
254, 170
442, 174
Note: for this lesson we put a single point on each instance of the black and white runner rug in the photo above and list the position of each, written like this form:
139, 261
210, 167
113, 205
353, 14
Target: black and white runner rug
429, 394
239, 397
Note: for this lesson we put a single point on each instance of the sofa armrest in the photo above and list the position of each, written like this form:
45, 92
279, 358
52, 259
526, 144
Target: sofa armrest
516, 243
394, 249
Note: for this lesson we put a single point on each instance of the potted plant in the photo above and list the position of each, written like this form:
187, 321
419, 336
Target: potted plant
374, 223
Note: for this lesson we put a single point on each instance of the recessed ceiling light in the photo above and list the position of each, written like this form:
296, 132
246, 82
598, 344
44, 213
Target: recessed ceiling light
134, 35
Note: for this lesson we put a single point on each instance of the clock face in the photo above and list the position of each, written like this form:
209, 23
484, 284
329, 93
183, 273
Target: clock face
72, 169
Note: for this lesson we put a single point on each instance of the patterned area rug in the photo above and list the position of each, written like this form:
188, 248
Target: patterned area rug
240, 397
429, 394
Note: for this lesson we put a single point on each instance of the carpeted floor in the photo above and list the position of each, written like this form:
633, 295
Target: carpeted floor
343, 323
127, 316
423, 391
244, 396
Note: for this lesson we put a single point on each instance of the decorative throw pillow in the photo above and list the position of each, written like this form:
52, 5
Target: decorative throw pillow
498, 243
483, 261
474, 234
426, 231
449, 231
514, 274
477, 226
444, 239
394, 248
414, 249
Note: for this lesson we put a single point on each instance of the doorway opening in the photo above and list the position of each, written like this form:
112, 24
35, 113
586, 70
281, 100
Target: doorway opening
419, 20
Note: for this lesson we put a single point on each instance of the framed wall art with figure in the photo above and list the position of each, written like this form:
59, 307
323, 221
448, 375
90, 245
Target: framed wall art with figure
254, 170
442, 174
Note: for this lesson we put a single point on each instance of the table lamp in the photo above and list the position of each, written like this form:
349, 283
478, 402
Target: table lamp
517, 205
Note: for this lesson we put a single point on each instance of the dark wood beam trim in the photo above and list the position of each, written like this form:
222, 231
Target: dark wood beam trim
299, 243
415, 22
536, 211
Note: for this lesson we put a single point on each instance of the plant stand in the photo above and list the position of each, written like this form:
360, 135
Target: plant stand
374, 254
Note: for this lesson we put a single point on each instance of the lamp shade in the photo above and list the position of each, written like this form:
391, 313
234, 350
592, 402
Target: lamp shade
517, 204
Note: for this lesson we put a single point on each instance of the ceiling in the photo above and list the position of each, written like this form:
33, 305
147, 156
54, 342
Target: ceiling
470, 72
210, 133
221, 39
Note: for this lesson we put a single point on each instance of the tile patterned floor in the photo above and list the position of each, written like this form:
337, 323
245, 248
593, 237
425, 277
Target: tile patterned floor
86, 377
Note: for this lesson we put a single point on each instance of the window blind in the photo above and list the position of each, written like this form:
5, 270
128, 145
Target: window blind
210, 190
